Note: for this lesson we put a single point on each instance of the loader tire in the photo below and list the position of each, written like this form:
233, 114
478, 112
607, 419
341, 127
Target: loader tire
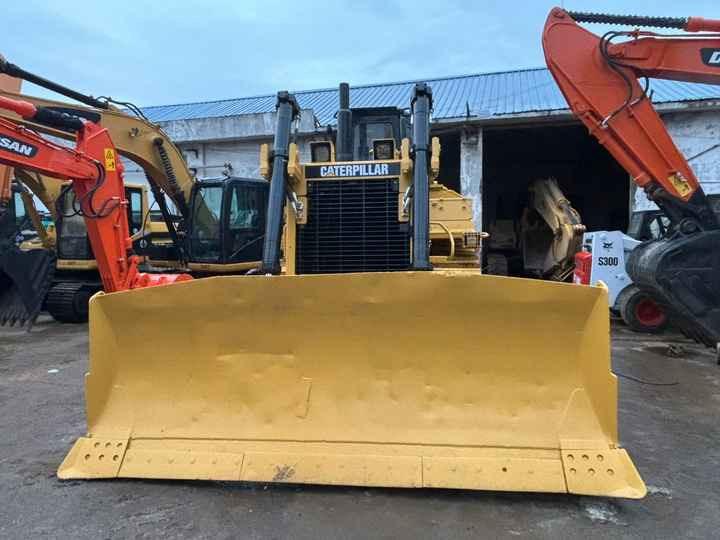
640, 312
67, 302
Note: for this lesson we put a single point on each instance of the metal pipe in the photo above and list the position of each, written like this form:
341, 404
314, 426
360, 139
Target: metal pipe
172, 227
15, 71
421, 106
344, 150
287, 110
450, 237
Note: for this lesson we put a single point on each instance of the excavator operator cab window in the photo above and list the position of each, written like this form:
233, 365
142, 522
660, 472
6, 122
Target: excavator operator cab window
228, 220
18, 209
648, 225
205, 241
72, 238
246, 220
135, 210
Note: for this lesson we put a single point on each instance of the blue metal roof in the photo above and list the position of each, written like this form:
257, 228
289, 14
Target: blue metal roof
484, 94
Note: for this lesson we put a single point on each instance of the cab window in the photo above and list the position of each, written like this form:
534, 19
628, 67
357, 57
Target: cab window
205, 239
246, 223
135, 211
19, 208
366, 133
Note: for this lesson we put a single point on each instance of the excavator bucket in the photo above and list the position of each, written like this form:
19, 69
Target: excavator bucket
680, 272
25, 279
444, 379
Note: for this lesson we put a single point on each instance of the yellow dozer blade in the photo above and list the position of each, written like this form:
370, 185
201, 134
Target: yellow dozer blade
443, 379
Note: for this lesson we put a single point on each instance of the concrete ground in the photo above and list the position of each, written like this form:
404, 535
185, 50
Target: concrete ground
672, 433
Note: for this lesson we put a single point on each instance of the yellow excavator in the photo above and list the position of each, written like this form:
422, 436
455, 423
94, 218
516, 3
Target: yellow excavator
204, 235
350, 358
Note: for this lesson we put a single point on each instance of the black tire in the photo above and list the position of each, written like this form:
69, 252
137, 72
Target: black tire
640, 312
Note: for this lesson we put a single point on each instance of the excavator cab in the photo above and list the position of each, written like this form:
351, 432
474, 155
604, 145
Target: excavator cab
76, 276
72, 239
227, 223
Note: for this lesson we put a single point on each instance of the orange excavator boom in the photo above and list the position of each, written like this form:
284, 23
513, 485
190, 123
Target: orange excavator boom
600, 79
97, 180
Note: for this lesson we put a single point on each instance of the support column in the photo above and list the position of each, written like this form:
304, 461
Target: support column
471, 170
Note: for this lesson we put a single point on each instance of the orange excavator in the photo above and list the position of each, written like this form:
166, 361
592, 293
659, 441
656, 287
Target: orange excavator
97, 182
600, 79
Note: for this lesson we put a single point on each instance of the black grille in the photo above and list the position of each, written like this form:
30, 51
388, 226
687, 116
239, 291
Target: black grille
352, 226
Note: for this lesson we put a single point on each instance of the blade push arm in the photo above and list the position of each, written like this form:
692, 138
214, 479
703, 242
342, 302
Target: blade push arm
96, 174
599, 80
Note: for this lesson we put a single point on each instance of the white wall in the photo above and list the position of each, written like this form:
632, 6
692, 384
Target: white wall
697, 135
208, 159
471, 148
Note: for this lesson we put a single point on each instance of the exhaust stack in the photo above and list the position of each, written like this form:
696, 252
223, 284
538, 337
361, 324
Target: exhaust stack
344, 150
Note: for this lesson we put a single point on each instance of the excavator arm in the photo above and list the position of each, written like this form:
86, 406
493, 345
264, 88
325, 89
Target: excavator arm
135, 137
96, 175
600, 79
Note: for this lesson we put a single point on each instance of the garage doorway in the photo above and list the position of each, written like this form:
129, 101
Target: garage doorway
596, 186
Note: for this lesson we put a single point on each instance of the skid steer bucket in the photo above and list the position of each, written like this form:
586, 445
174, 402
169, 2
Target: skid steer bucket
409, 379
25, 279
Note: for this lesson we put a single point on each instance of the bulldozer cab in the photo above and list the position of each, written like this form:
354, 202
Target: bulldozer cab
227, 222
375, 129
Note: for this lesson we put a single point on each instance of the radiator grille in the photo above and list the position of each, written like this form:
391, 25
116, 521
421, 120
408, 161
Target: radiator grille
352, 226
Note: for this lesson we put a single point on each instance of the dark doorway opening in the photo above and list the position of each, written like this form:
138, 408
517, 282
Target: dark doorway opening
590, 178
450, 160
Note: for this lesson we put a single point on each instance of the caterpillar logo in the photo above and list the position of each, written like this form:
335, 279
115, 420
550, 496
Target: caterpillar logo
352, 170
711, 57
17, 147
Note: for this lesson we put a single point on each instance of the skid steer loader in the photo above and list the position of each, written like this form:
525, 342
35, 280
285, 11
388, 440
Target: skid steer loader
359, 365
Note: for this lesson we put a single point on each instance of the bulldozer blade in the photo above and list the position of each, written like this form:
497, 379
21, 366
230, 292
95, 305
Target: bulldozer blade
444, 379
25, 279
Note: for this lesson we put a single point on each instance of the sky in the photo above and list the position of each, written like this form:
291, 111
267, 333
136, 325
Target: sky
159, 52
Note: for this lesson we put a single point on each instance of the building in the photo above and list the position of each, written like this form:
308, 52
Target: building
498, 131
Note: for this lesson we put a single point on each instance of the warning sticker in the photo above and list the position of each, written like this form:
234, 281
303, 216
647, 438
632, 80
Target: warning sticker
109, 159
680, 184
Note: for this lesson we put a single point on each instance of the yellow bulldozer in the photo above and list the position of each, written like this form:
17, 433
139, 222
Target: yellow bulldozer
350, 357
212, 226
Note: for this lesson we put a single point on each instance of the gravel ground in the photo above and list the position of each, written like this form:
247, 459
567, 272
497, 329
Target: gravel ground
671, 431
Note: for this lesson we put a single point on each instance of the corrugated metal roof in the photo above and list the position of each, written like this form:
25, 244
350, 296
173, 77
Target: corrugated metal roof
484, 95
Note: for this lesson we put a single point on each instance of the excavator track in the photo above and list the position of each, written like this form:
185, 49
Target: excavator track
67, 301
